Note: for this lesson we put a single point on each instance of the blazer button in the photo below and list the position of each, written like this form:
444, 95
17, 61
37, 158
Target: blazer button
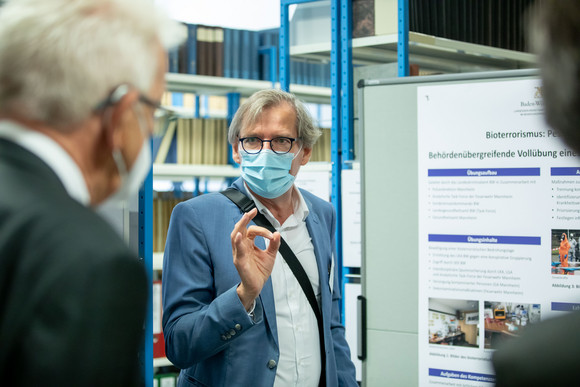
224, 338
238, 327
232, 332
271, 363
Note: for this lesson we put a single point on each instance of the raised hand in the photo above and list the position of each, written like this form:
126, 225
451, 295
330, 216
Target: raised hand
254, 265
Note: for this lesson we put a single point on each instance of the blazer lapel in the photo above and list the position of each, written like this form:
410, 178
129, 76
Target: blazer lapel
313, 226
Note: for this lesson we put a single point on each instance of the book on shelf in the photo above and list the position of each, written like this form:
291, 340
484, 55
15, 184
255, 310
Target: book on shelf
321, 149
245, 54
218, 46
163, 204
182, 57
166, 142
181, 140
191, 49
228, 54
194, 141
495, 23
202, 49
236, 51
158, 340
197, 141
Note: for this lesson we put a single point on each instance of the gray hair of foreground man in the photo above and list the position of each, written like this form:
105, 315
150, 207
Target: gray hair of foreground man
59, 58
554, 32
250, 111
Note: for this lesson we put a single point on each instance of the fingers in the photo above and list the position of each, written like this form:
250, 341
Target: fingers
242, 224
254, 231
274, 243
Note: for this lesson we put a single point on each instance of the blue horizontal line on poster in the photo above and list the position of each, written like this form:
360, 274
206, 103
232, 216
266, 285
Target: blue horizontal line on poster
484, 172
476, 377
565, 306
559, 171
488, 239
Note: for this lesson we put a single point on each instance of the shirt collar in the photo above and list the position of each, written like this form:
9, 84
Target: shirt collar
300, 209
52, 154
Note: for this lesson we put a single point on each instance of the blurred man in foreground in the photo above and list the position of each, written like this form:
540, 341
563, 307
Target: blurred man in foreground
547, 354
79, 83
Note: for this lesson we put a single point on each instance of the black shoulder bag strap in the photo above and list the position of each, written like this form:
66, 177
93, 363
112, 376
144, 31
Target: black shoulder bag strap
246, 204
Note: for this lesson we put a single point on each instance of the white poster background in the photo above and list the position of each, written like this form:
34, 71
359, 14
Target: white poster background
351, 218
489, 202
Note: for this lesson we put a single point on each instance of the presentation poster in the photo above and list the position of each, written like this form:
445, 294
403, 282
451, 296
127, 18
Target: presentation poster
499, 225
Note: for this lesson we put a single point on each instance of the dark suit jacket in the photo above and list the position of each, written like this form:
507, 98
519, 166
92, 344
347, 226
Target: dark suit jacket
545, 355
72, 295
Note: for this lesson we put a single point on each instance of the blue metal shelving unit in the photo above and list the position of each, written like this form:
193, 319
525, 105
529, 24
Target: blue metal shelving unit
403, 38
146, 254
341, 97
342, 142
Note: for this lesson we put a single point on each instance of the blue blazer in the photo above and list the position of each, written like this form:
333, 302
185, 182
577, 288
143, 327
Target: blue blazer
208, 333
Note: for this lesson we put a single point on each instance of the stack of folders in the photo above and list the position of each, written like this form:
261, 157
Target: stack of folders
195, 141
163, 204
158, 340
243, 54
321, 150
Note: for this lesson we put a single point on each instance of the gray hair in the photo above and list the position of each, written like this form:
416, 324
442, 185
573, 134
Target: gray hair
553, 32
250, 111
60, 58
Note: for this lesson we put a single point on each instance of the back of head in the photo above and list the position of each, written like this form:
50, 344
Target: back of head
554, 34
60, 58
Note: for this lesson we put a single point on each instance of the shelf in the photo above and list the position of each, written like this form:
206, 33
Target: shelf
429, 52
181, 172
161, 362
205, 84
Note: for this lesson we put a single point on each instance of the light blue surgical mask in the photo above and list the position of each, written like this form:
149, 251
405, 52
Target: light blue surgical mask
267, 173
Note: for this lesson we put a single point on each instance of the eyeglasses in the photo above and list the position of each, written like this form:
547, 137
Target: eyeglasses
162, 115
279, 145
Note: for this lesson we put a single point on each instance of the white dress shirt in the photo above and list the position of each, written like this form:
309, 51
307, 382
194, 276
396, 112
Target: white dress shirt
52, 154
299, 363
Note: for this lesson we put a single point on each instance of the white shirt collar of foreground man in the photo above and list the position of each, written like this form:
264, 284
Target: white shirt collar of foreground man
52, 154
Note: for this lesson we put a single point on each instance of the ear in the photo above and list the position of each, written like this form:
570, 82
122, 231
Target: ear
236, 153
116, 117
307, 152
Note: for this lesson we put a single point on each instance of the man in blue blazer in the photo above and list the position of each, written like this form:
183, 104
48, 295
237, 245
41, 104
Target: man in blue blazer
234, 313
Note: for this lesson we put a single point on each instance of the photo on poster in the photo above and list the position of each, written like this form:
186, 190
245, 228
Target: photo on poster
565, 258
506, 320
453, 322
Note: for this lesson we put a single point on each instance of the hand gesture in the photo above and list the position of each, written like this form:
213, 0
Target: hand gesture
253, 264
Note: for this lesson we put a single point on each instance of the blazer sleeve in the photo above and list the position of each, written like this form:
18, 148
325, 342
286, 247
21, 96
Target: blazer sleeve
346, 371
196, 316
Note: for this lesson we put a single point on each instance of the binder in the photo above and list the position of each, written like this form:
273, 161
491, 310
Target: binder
192, 49
166, 142
228, 54
158, 339
219, 52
